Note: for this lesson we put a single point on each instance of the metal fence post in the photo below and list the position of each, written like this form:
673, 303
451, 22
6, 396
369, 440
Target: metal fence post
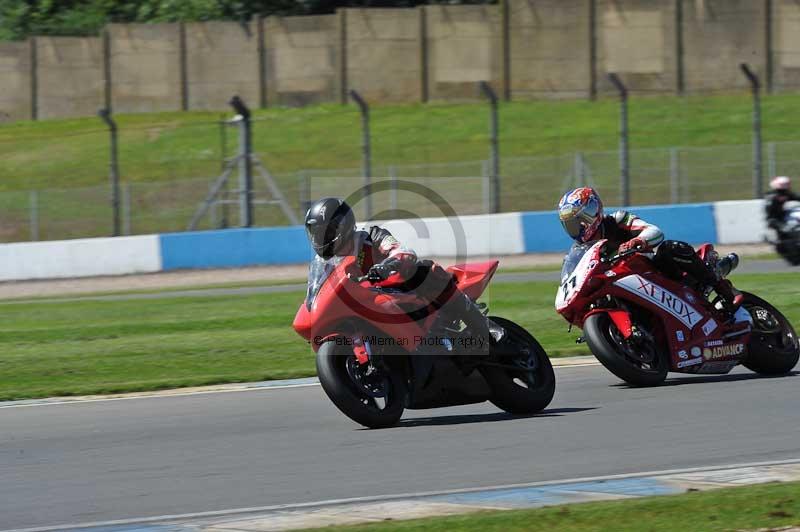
755, 87
126, 209
34, 214
366, 151
624, 155
105, 115
772, 159
494, 147
486, 188
245, 163
674, 176
393, 188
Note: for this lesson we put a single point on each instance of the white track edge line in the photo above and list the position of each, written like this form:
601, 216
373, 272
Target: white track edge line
393, 497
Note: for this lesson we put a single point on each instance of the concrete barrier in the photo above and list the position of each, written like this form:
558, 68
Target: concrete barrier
80, 258
740, 222
693, 223
15, 71
234, 248
729, 222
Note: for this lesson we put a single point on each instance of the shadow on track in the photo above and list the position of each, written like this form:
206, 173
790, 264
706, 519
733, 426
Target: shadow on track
484, 418
700, 379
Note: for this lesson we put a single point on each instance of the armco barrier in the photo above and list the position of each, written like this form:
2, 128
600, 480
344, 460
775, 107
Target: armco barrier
484, 235
692, 223
80, 258
740, 222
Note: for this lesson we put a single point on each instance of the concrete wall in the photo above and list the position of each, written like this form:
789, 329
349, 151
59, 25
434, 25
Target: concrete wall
786, 44
302, 59
550, 48
221, 60
637, 40
464, 46
70, 76
145, 67
383, 54
718, 36
15, 73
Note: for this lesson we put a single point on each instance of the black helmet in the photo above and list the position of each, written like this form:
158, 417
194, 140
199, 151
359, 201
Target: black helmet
330, 224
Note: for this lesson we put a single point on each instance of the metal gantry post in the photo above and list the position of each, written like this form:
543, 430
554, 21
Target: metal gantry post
366, 151
624, 150
105, 115
494, 143
245, 162
755, 87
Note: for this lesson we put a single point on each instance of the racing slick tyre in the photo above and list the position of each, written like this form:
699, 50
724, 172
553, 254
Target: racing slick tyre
529, 389
773, 347
375, 400
639, 365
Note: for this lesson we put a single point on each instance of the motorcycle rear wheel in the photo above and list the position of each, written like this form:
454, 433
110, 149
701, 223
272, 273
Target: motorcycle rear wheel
606, 343
773, 347
529, 390
358, 399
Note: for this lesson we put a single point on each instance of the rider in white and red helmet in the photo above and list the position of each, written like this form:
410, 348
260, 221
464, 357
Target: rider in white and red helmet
581, 214
780, 191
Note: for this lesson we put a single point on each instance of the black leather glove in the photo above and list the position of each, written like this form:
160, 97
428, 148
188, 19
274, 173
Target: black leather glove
382, 271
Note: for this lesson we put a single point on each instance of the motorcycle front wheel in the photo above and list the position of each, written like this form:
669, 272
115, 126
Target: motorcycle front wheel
370, 397
641, 365
524, 383
773, 347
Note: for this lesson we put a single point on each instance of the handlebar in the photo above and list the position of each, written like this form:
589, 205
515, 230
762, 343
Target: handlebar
618, 256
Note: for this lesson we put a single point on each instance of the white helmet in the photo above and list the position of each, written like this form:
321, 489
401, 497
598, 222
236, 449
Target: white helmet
780, 183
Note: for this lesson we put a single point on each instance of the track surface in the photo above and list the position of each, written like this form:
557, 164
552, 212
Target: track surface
130, 458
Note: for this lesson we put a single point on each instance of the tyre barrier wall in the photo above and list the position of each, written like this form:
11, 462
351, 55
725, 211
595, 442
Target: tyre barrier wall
468, 236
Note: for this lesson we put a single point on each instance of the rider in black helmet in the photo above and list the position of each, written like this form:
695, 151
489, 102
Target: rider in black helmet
331, 227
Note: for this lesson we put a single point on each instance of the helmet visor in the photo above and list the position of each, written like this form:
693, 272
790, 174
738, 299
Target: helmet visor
576, 220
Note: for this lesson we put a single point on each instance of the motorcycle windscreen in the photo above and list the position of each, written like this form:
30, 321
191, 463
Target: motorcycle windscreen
318, 272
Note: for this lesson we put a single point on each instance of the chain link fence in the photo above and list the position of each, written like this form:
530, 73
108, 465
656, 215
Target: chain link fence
659, 176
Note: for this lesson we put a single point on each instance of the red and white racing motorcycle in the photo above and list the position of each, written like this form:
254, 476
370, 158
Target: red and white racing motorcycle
641, 324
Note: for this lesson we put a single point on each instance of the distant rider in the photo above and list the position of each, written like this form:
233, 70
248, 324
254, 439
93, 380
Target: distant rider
331, 228
780, 192
581, 214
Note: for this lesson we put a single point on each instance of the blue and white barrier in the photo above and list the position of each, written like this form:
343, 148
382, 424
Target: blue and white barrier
729, 222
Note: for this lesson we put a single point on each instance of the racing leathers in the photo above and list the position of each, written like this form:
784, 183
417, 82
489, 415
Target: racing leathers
624, 231
381, 255
775, 208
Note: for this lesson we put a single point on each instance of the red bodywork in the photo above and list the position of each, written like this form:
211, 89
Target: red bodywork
342, 300
698, 337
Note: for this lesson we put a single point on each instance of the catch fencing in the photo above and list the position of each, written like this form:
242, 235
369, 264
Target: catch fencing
658, 176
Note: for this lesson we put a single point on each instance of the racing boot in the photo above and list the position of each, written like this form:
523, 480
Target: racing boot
731, 298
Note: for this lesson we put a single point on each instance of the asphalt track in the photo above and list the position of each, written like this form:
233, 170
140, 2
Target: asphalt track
133, 458
747, 266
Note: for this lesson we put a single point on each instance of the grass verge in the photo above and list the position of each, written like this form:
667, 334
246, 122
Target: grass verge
741, 508
87, 347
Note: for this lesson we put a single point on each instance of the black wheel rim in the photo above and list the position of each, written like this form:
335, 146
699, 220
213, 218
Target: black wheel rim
531, 374
371, 387
643, 355
771, 330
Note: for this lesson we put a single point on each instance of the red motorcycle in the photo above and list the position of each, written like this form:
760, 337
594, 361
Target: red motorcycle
377, 354
641, 324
